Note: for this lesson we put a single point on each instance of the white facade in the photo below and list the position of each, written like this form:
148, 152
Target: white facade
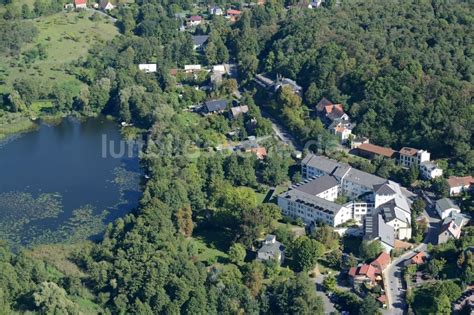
147, 67
330, 194
430, 170
444, 208
414, 157
401, 228
309, 213
191, 68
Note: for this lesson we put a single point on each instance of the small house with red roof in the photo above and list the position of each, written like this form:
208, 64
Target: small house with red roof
80, 4
195, 20
459, 184
233, 15
419, 259
371, 273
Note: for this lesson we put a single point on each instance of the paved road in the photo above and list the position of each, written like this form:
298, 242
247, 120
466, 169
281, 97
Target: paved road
394, 273
328, 305
282, 133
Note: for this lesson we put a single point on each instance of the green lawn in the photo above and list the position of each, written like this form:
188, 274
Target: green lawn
66, 37
212, 244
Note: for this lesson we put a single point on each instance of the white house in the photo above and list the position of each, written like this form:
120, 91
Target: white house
458, 185
341, 129
430, 170
106, 5
215, 10
409, 156
271, 249
80, 4
192, 68
315, 4
194, 20
147, 67
445, 207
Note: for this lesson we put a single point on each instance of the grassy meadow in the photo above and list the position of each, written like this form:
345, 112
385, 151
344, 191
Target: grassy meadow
65, 38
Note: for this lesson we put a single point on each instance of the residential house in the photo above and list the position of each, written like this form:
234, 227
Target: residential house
80, 4
430, 170
260, 152
260, 2
419, 259
371, 273
106, 5
199, 42
335, 112
451, 227
233, 15
458, 185
215, 106
341, 129
239, 110
315, 4
271, 249
371, 151
322, 104
445, 206
215, 10
285, 82
195, 20
409, 156
358, 141
264, 82
147, 67
192, 68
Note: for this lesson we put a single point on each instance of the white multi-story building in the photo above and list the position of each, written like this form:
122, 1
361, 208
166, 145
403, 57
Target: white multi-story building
373, 199
430, 170
409, 156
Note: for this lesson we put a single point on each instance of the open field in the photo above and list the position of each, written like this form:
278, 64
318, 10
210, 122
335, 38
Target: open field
65, 37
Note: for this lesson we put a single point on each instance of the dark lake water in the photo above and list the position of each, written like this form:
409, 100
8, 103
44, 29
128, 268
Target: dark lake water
57, 185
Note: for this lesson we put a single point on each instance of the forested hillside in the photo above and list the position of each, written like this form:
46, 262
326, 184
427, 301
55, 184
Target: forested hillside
403, 69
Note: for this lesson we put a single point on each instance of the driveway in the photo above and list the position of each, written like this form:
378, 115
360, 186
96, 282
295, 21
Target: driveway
328, 305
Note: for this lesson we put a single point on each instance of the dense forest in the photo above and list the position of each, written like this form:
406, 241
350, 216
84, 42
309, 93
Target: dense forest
402, 69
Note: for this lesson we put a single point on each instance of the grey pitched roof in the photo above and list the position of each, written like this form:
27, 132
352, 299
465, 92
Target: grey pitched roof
323, 102
363, 178
318, 185
321, 162
383, 189
392, 210
340, 170
445, 204
216, 105
272, 248
199, 40
312, 201
375, 227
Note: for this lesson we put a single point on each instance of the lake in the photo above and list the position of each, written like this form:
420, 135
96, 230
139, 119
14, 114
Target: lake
58, 185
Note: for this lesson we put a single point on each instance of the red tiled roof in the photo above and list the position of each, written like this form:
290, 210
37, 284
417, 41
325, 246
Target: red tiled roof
352, 271
378, 150
233, 12
260, 152
76, 2
195, 18
381, 262
408, 151
418, 258
455, 181
382, 299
